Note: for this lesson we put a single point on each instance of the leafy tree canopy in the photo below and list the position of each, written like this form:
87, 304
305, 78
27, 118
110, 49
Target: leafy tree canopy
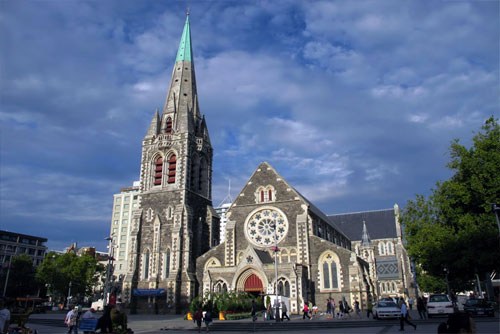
21, 281
57, 271
455, 227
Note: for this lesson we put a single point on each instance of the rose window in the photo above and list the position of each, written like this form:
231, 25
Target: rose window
264, 225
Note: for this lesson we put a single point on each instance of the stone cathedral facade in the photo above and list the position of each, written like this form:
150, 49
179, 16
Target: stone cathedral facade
174, 252
176, 222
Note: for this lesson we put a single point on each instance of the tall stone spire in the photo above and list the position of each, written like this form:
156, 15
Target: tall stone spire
175, 222
181, 103
185, 50
365, 238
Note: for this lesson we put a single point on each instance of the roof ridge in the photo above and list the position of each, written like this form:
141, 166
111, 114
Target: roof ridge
353, 213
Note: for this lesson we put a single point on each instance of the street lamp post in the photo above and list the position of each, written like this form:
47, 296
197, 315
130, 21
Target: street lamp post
447, 282
276, 303
69, 295
496, 208
108, 271
7, 277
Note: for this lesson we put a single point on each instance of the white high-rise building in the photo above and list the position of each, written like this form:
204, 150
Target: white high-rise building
221, 211
124, 204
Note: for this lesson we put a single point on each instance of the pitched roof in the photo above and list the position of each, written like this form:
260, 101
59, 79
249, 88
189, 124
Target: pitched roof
380, 224
264, 256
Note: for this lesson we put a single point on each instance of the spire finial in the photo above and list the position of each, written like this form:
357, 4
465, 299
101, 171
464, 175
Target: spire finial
187, 10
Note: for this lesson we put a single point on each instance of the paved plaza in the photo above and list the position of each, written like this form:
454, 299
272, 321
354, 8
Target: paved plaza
52, 323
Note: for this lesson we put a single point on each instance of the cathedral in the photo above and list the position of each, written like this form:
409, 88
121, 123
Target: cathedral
175, 252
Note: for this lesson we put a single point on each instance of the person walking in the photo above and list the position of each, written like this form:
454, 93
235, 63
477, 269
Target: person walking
254, 310
369, 308
332, 301
404, 317
356, 309
197, 319
341, 309
328, 308
410, 303
208, 320
420, 308
347, 309
4, 317
284, 310
305, 310
71, 320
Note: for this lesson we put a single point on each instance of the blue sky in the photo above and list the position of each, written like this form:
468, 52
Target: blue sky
354, 103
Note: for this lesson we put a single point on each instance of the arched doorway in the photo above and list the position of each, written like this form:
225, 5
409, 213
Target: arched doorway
253, 284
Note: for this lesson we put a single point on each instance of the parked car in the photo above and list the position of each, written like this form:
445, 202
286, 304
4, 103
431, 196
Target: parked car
439, 304
479, 307
386, 309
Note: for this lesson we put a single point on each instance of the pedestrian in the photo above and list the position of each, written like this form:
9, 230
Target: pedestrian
71, 320
341, 310
369, 308
269, 312
208, 320
404, 317
347, 309
356, 309
254, 310
197, 319
305, 310
333, 307
420, 308
410, 303
310, 305
328, 308
284, 310
4, 317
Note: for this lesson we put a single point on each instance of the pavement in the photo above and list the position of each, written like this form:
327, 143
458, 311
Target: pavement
53, 323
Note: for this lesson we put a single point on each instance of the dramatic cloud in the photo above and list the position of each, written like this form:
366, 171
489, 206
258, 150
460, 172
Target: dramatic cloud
354, 103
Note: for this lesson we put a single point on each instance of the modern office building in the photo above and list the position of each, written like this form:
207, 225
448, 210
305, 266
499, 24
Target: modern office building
13, 244
124, 205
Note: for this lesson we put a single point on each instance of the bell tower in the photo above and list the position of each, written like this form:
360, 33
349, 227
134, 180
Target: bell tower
175, 222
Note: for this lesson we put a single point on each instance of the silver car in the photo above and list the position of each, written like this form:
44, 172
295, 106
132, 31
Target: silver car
386, 309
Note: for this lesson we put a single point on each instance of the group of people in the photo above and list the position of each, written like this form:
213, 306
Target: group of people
205, 317
344, 309
111, 315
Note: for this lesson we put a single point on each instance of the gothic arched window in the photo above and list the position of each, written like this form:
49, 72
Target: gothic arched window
195, 170
172, 165
265, 194
220, 287
293, 255
390, 248
167, 263
202, 175
146, 265
158, 171
381, 248
283, 287
169, 125
329, 271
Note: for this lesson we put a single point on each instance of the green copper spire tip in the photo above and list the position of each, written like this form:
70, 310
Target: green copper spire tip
184, 52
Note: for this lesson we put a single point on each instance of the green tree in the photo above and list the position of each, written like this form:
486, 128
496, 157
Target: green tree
455, 229
22, 281
58, 271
